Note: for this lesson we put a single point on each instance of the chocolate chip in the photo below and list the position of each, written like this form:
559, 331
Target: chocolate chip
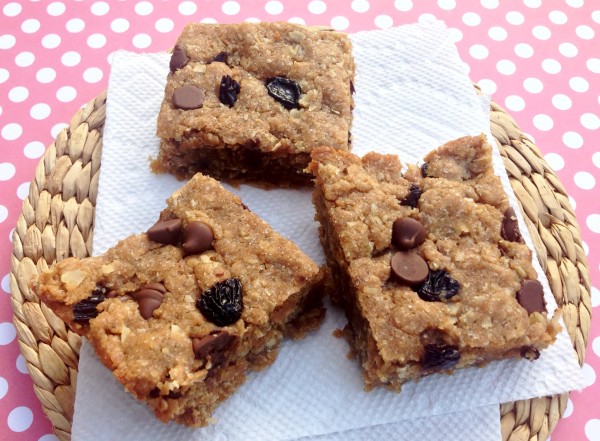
437, 286
149, 298
440, 357
222, 303
165, 232
408, 233
412, 198
86, 309
409, 268
179, 59
531, 296
510, 226
228, 90
424, 169
154, 393
352, 89
216, 342
188, 97
221, 57
285, 91
530, 353
197, 238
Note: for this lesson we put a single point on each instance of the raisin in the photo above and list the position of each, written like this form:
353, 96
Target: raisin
221, 57
285, 91
222, 303
412, 198
352, 89
229, 90
439, 356
424, 169
86, 309
437, 286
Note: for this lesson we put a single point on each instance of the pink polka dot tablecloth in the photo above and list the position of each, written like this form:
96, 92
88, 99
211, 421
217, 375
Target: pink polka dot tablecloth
539, 60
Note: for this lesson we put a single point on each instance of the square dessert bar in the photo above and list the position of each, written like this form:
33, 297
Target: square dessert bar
181, 312
250, 101
429, 266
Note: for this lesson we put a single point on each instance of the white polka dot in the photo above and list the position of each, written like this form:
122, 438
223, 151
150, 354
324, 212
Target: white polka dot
164, 25
144, 8
7, 171
3, 216
40, 111
100, 8
568, 49
11, 131
49, 437
561, 101
18, 94
541, 32
187, 8
593, 65
66, 94
119, 25
575, 3
596, 159
426, 18
584, 180
92, 75
3, 387
479, 51
523, 50
21, 365
584, 32
490, 4
555, 161
273, 7
595, 296
96, 41
403, 5
543, 122
471, 19
70, 59
251, 20
55, 9
34, 150
297, 20
212, 20
533, 3
558, 17
572, 140
7, 332
515, 18
383, 21
45, 75
57, 128
487, 86
551, 66
30, 26
514, 103
23, 190
497, 33
7, 41
446, 5
590, 121
579, 84
361, 6
141, 41
24, 59
596, 16
572, 202
51, 41
593, 222
3, 75
230, 8
569, 409
12, 9
589, 375
75, 25
506, 67
339, 23
5, 284
455, 35
20, 419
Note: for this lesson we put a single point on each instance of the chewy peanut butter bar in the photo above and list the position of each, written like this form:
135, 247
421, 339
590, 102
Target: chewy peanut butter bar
183, 311
429, 266
250, 101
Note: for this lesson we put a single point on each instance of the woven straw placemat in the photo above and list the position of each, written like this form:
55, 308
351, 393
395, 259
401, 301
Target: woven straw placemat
58, 221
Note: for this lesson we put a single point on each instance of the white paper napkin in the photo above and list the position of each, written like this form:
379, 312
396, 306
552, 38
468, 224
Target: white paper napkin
412, 95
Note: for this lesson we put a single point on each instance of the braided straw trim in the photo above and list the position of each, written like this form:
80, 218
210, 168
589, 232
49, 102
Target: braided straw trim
57, 221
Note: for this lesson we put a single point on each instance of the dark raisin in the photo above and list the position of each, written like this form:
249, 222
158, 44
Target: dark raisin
437, 286
229, 90
285, 91
349, 137
412, 198
222, 304
440, 357
86, 309
221, 57
424, 169
154, 393
352, 89
530, 353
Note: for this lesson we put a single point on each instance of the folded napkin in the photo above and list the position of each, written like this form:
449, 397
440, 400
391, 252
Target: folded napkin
412, 94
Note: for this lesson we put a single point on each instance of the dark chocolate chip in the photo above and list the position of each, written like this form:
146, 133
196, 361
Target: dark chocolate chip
154, 393
408, 233
222, 304
412, 198
86, 309
352, 89
349, 137
530, 353
149, 299
228, 90
188, 97
409, 268
179, 59
285, 91
197, 238
440, 357
174, 394
531, 296
437, 286
221, 57
510, 226
165, 232
424, 169
217, 342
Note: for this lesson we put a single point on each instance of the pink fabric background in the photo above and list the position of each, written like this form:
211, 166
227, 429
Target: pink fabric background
540, 60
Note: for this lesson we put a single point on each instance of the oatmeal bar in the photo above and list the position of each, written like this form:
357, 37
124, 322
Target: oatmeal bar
429, 266
250, 101
181, 312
